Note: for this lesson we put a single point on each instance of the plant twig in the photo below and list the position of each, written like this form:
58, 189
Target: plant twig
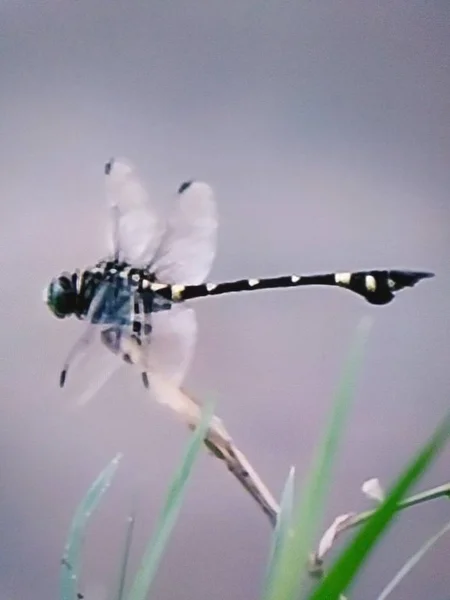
431, 494
352, 520
218, 441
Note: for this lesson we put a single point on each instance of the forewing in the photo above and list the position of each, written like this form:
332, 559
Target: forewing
187, 249
136, 231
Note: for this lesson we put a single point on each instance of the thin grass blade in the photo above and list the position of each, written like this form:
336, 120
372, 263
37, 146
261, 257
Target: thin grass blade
125, 556
349, 563
412, 562
287, 578
282, 527
71, 560
153, 554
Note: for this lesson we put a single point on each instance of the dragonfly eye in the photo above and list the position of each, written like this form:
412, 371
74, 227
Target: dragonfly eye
61, 297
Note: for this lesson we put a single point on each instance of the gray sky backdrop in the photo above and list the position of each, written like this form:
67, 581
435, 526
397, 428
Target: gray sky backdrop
325, 129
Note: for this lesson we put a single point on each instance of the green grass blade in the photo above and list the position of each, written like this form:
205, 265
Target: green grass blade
282, 527
412, 562
347, 566
287, 578
70, 563
125, 556
153, 554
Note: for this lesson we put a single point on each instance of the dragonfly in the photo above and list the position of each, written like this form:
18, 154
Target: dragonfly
137, 297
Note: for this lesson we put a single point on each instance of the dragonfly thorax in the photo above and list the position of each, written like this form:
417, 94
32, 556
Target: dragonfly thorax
106, 293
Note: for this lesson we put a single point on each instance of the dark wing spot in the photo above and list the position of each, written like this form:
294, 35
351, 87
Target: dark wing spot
108, 166
184, 186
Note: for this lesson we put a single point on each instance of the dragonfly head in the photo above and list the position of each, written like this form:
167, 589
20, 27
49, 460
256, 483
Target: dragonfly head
61, 296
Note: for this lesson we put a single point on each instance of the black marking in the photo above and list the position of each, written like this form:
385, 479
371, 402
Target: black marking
137, 325
109, 166
135, 275
145, 380
62, 378
184, 186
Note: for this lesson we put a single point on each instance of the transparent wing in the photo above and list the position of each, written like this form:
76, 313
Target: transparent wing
188, 246
105, 366
87, 337
91, 371
136, 231
167, 350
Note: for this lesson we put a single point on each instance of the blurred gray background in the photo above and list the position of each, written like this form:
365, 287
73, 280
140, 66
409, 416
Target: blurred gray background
325, 129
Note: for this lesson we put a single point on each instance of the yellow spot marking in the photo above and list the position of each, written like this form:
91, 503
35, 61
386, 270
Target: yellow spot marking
295, 278
253, 282
391, 283
145, 284
177, 291
342, 278
211, 286
371, 283
155, 287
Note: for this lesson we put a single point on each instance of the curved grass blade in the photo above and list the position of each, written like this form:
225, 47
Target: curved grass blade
71, 560
153, 554
125, 556
282, 528
412, 562
287, 578
348, 564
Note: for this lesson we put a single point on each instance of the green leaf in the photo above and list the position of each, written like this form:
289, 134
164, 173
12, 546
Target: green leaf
166, 522
282, 528
286, 579
71, 560
349, 563
412, 562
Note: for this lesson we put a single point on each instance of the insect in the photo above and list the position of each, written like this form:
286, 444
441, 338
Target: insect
135, 297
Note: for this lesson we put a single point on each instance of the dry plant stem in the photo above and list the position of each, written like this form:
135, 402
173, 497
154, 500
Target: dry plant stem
432, 494
218, 441
355, 520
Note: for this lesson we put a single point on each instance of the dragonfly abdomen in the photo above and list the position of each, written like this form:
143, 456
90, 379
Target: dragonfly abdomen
377, 287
